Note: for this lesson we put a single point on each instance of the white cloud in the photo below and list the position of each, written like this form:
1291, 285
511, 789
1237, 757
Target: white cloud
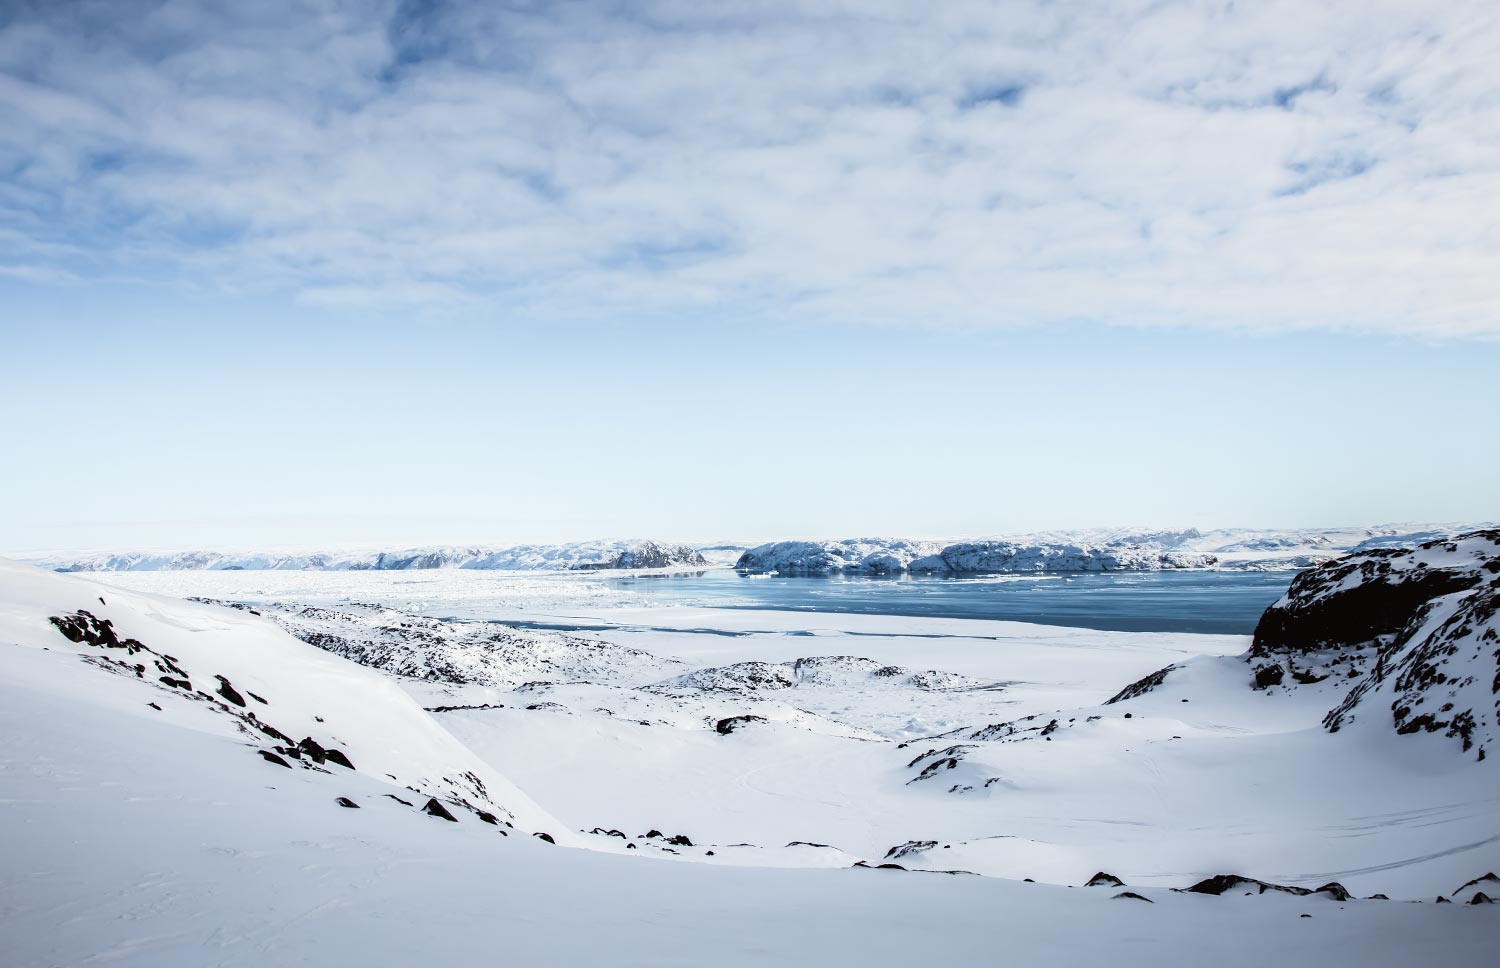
1276, 164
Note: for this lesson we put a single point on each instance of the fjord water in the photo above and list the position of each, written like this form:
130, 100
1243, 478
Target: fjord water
1225, 602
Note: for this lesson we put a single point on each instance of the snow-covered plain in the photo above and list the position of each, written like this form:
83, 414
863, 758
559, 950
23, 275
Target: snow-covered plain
778, 748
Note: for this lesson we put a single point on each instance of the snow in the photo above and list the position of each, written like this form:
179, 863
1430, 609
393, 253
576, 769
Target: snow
153, 837
1102, 549
579, 555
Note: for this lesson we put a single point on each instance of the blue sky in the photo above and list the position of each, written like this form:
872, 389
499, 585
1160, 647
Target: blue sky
404, 273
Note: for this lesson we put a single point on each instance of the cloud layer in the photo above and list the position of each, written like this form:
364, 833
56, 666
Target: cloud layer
1275, 164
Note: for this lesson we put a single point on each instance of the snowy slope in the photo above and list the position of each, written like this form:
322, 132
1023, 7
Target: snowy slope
160, 665
114, 854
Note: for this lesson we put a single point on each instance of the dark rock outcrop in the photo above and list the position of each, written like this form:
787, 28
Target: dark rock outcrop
1220, 883
346, 802
1415, 631
228, 691
909, 848
436, 809
728, 725
1102, 879
1141, 686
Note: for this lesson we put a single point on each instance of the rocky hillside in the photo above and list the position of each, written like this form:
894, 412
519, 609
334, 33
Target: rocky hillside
245, 697
872, 556
1414, 629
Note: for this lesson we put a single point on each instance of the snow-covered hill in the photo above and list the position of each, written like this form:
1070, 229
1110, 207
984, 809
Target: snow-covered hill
1099, 549
154, 665
589, 555
1414, 631
873, 556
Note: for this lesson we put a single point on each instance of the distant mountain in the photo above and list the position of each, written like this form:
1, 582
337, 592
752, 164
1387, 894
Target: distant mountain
579, 556
1099, 549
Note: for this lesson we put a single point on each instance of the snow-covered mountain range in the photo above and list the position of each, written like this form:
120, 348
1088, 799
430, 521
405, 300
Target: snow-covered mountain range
1103, 549
579, 556
1096, 549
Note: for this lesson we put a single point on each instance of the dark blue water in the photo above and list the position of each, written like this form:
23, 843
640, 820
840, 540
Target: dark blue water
1163, 601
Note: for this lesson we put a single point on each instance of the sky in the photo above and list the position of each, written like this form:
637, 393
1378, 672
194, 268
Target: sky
375, 273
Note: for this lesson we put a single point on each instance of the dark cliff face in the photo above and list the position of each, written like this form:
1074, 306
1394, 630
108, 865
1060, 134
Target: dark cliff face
1354, 600
1415, 631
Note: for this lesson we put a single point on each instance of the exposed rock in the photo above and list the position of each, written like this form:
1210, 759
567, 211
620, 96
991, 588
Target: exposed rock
346, 802
435, 809
339, 757
270, 757
1141, 686
1354, 600
229, 692
1487, 882
647, 554
539, 835
680, 840
1429, 616
1269, 675
1102, 879
909, 848
1480, 898
1220, 883
1132, 895
728, 725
